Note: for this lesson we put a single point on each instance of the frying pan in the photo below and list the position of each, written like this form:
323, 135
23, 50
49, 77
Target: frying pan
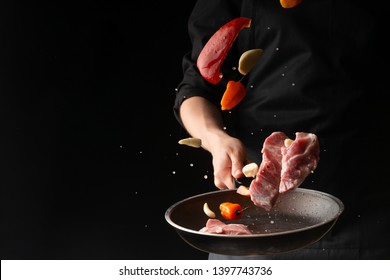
300, 218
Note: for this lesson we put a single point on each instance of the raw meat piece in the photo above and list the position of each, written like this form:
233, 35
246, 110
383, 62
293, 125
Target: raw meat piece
299, 160
264, 189
218, 227
283, 167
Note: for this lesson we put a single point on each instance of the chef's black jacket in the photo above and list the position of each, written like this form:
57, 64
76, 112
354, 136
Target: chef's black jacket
324, 71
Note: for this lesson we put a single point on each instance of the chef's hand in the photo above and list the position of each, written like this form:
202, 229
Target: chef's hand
203, 120
228, 158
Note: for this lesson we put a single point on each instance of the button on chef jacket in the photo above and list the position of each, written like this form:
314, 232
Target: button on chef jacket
324, 70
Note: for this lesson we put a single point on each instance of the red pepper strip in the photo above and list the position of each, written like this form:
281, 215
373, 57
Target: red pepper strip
234, 93
289, 3
217, 47
231, 211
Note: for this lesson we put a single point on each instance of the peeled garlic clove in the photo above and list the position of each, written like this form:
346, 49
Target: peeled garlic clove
207, 211
243, 190
288, 142
250, 170
248, 59
192, 142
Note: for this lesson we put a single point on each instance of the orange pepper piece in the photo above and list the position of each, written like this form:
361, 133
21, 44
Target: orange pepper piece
234, 93
231, 211
290, 3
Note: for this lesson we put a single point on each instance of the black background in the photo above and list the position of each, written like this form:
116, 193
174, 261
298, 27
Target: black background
89, 152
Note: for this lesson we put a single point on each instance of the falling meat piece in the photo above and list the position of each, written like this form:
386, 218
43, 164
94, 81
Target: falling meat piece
298, 160
218, 227
283, 167
264, 189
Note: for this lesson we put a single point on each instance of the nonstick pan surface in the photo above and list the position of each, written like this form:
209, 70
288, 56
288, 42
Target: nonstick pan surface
300, 218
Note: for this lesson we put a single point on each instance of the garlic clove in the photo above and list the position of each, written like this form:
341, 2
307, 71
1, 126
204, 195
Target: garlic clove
208, 211
250, 170
191, 141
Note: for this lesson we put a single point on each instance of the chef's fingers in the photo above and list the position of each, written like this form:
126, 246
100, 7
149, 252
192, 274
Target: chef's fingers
229, 155
225, 173
222, 165
225, 183
237, 165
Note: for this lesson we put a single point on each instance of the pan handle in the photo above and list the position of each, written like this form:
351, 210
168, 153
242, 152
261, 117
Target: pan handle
246, 181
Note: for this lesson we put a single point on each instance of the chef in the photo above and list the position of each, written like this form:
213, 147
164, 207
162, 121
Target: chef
322, 71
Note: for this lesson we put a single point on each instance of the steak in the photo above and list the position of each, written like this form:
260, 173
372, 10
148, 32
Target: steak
264, 188
298, 160
218, 227
285, 165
